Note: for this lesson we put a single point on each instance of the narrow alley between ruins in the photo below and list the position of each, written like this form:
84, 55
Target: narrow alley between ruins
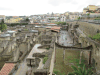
23, 68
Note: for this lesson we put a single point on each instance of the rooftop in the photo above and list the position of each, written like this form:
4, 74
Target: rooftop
5, 35
10, 31
6, 69
55, 27
33, 30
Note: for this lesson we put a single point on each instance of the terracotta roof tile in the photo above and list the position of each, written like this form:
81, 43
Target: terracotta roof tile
7, 68
55, 27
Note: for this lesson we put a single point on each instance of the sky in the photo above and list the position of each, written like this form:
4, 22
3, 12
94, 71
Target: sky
34, 7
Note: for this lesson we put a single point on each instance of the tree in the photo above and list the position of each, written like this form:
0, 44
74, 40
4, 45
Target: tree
51, 18
79, 18
61, 23
27, 19
88, 15
3, 26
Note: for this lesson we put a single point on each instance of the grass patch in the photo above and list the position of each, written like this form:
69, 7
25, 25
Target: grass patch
57, 72
69, 56
26, 29
95, 37
45, 59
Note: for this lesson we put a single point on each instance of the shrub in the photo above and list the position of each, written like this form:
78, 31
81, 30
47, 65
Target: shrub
47, 48
61, 23
97, 19
89, 36
96, 37
3, 26
45, 59
81, 71
26, 19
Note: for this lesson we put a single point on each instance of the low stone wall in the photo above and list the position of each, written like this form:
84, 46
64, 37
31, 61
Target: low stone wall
72, 47
44, 46
45, 70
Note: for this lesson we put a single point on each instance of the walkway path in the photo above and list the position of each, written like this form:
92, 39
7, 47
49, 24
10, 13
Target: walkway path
52, 62
22, 68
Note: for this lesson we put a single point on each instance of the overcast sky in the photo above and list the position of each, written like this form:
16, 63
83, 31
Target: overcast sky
32, 7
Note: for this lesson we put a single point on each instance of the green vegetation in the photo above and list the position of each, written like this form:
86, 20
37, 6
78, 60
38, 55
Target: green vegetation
89, 36
57, 72
44, 24
97, 19
3, 26
88, 14
92, 12
26, 19
45, 59
81, 71
79, 18
26, 29
14, 24
64, 67
96, 37
51, 18
67, 23
47, 48
61, 23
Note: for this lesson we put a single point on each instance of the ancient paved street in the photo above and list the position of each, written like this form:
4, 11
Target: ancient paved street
22, 68
65, 39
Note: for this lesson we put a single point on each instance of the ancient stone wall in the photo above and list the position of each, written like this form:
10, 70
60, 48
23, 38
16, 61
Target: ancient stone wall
86, 41
88, 28
95, 52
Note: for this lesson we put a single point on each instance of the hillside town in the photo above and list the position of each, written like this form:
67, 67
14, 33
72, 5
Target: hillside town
51, 44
